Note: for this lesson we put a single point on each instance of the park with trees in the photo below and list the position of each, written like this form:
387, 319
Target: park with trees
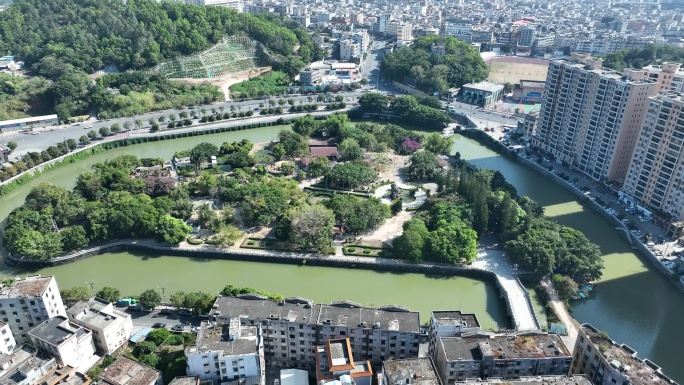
431, 72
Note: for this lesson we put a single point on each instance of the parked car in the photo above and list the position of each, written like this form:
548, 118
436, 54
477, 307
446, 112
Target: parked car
184, 312
177, 328
158, 325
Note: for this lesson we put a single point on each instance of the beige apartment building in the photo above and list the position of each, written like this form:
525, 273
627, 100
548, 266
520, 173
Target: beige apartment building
657, 168
591, 116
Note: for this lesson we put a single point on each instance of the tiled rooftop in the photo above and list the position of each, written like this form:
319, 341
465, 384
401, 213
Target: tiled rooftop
125, 371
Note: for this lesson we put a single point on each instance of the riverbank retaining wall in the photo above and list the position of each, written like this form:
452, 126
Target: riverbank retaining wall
292, 258
621, 228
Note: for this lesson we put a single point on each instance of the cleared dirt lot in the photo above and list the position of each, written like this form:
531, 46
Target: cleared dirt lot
513, 69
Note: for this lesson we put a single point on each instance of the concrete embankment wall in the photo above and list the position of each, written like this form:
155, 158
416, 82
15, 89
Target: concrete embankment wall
293, 258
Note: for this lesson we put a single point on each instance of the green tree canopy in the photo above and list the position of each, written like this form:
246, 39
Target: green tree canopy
312, 226
108, 294
373, 101
150, 299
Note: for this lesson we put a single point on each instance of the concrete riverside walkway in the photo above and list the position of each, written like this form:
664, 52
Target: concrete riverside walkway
517, 301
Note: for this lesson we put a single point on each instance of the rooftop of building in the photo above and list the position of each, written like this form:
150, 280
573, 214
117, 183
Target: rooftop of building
484, 86
545, 380
31, 286
217, 337
22, 360
625, 359
94, 312
185, 380
56, 330
532, 83
342, 313
125, 371
456, 318
418, 371
339, 354
503, 346
65, 375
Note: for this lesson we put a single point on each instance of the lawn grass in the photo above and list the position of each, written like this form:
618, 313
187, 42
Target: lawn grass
272, 83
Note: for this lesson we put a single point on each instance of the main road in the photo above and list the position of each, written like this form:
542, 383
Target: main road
42, 138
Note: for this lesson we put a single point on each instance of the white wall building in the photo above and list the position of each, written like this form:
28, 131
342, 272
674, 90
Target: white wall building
71, 344
234, 4
24, 366
450, 324
111, 328
26, 302
7, 342
402, 31
227, 353
349, 49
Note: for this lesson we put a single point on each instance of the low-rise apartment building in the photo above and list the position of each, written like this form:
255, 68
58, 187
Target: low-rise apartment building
449, 323
25, 366
349, 49
111, 328
505, 356
26, 302
70, 343
605, 362
294, 326
227, 352
125, 371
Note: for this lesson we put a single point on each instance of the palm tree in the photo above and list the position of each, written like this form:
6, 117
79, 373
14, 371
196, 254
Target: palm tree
309, 98
172, 117
222, 108
127, 125
183, 115
161, 119
261, 105
213, 111
271, 102
203, 111
232, 108
138, 123
194, 114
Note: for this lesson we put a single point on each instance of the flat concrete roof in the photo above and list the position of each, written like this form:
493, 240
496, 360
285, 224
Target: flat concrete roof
31, 286
418, 371
456, 318
484, 86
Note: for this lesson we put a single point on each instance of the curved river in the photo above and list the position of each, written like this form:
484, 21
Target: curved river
633, 303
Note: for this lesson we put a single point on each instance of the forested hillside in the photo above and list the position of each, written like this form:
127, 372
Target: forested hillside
640, 57
460, 64
61, 41
136, 34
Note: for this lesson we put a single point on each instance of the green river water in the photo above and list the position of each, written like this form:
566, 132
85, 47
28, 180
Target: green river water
633, 303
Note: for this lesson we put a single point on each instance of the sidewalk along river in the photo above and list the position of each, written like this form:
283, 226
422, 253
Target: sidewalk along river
133, 273
633, 302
